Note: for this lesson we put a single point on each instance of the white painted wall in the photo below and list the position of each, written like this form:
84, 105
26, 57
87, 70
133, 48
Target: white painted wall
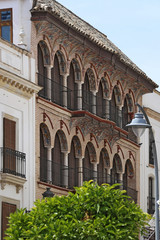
152, 101
21, 18
22, 108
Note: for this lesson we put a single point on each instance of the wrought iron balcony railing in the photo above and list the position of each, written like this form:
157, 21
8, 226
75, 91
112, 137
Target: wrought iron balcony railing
67, 98
12, 162
68, 177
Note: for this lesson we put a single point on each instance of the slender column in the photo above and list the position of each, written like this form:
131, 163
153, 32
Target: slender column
106, 109
95, 172
120, 117
94, 102
65, 171
49, 165
80, 172
65, 90
48, 68
79, 96
121, 180
108, 178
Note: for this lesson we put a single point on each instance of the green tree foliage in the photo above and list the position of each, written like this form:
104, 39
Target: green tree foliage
93, 212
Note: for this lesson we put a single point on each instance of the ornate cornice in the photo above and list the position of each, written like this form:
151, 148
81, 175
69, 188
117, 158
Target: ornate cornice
153, 114
17, 84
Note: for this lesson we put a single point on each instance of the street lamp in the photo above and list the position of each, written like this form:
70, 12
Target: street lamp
139, 124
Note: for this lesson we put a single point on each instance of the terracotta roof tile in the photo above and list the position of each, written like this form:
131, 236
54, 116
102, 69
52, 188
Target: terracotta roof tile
86, 29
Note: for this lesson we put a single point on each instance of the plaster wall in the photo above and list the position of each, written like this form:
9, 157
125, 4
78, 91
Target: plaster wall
21, 19
151, 103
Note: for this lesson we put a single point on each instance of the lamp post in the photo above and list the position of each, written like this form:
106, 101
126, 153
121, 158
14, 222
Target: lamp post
139, 124
48, 193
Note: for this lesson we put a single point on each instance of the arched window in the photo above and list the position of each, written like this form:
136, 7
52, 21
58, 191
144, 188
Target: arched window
100, 101
86, 95
41, 74
56, 86
102, 176
72, 167
71, 91
87, 166
125, 114
113, 109
116, 169
57, 163
44, 138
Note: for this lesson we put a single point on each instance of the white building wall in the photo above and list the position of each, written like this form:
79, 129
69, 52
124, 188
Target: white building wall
17, 102
21, 19
149, 101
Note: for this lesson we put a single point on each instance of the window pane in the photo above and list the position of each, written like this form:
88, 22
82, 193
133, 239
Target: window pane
6, 33
5, 15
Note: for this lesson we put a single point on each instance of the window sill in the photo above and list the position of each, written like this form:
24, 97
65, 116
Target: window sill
6, 178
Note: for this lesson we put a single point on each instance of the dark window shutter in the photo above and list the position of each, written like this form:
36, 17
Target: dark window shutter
9, 131
9, 144
7, 208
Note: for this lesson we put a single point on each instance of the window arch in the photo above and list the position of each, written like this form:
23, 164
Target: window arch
100, 101
87, 166
42, 73
45, 142
116, 169
57, 163
125, 114
56, 84
72, 167
86, 94
71, 91
114, 110
102, 176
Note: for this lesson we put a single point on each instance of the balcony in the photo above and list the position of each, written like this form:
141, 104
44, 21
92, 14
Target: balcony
151, 204
12, 168
63, 176
67, 98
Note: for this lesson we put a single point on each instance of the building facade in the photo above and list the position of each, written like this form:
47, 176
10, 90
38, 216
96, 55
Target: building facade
89, 93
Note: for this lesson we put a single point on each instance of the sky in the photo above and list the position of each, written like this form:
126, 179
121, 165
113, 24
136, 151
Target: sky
132, 25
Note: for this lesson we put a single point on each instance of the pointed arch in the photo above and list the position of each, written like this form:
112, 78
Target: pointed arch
46, 135
56, 83
92, 79
63, 141
116, 169
77, 147
127, 110
45, 52
62, 62
100, 102
45, 143
77, 70
74, 155
106, 88
71, 88
86, 95
104, 163
114, 110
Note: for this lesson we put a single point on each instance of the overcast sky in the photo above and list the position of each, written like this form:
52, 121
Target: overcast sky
132, 25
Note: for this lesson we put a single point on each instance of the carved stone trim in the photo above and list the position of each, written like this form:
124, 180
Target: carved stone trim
17, 84
6, 178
